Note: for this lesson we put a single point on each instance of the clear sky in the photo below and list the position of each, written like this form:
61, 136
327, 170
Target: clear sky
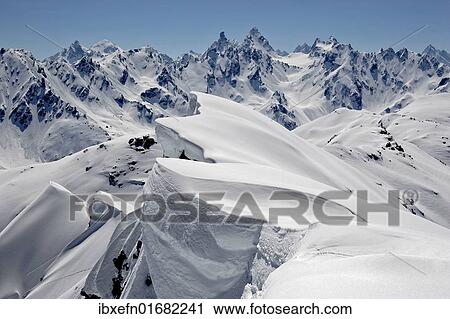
174, 27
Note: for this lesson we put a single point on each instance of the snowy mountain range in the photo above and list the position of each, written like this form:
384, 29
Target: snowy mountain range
104, 91
241, 117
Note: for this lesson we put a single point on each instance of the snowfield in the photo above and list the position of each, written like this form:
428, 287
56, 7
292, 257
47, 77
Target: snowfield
373, 249
235, 133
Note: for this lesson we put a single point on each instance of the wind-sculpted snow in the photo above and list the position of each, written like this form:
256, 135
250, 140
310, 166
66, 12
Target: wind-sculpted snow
227, 132
196, 260
237, 167
68, 272
34, 238
365, 262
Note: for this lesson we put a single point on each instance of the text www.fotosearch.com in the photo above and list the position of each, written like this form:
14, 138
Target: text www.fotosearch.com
197, 308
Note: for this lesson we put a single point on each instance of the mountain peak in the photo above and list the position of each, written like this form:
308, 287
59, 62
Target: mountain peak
256, 38
104, 46
429, 49
223, 41
74, 52
254, 32
75, 44
441, 56
303, 48
220, 44
332, 39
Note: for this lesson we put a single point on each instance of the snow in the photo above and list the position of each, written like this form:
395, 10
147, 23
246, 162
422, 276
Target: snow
261, 175
67, 273
236, 134
364, 262
365, 121
296, 59
420, 127
35, 237
62, 251
85, 172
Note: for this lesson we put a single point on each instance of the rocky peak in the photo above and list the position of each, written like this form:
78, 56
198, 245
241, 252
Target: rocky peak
278, 97
388, 54
255, 39
223, 42
75, 52
277, 109
303, 48
86, 67
220, 45
441, 56
429, 50
403, 54
320, 47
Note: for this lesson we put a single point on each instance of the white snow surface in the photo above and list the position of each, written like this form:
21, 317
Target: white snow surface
373, 250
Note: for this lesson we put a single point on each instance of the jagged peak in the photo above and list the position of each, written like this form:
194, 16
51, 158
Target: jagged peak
303, 48
220, 44
279, 97
16, 51
255, 37
75, 46
222, 36
74, 52
331, 40
429, 49
193, 53
440, 55
254, 32
282, 52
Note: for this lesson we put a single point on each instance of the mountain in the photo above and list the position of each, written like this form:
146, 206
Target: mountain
303, 48
90, 94
241, 118
440, 55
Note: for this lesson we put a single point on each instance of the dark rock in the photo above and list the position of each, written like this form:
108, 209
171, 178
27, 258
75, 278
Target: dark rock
21, 116
256, 82
88, 296
124, 77
2, 113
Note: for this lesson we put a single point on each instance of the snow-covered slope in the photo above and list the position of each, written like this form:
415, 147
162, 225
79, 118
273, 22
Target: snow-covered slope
34, 238
260, 174
364, 262
63, 249
114, 167
407, 150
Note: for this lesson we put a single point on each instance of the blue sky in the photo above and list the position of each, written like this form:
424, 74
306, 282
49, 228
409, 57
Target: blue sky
174, 27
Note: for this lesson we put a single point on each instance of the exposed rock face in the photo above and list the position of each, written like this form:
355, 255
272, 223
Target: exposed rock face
303, 48
277, 109
441, 56
21, 116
